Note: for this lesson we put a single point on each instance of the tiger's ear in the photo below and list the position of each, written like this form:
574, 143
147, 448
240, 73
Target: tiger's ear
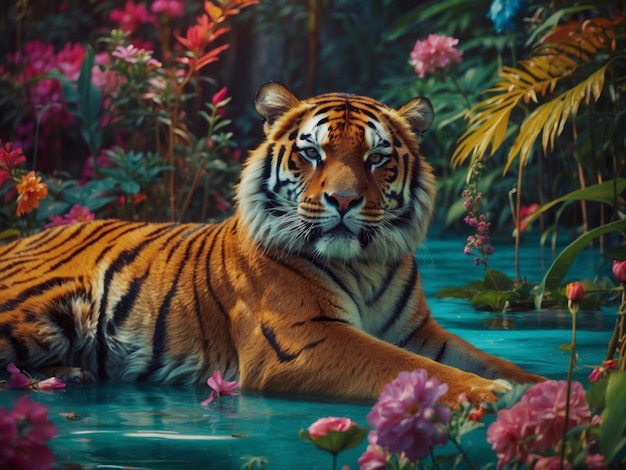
419, 114
272, 100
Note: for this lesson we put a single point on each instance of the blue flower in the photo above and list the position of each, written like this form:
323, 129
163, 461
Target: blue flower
503, 13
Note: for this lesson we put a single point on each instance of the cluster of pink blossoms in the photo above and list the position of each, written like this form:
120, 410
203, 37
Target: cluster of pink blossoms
435, 53
23, 433
534, 425
479, 241
45, 97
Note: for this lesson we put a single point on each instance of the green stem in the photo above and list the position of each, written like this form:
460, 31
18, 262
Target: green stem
463, 454
572, 361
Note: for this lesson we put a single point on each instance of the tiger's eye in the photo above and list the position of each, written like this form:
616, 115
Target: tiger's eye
376, 159
311, 153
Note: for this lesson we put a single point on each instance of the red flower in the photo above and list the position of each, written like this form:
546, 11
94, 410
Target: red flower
131, 16
575, 291
9, 159
30, 191
619, 270
476, 414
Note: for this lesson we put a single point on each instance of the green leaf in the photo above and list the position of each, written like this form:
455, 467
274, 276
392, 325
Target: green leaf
336, 441
497, 280
604, 192
612, 437
559, 268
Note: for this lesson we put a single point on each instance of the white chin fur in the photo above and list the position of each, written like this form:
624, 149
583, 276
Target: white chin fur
338, 247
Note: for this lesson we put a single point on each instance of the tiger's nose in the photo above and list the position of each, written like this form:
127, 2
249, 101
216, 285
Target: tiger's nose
343, 203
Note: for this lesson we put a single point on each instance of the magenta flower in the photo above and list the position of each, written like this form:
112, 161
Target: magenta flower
131, 16
436, 52
76, 214
407, 416
23, 432
220, 387
18, 380
171, 8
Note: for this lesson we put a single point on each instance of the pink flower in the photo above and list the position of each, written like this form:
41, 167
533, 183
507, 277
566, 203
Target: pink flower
18, 380
548, 463
171, 8
510, 433
220, 387
77, 214
41, 428
436, 52
374, 457
619, 270
323, 426
407, 416
133, 55
51, 383
536, 422
595, 462
23, 432
131, 16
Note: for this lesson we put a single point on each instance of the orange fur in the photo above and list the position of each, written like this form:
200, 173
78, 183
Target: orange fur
311, 287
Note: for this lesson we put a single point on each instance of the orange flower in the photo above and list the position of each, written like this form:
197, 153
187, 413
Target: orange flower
30, 191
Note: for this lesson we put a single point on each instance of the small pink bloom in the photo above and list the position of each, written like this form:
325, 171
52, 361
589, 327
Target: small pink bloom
374, 457
51, 383
619, 270
10, 158
595, 462
323, 426
596, 375
220, 387
131, 16
436, 52
510, 433
548, 463
18, 380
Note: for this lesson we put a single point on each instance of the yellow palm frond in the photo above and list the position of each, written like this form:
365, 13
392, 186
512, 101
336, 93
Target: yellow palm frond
559, 54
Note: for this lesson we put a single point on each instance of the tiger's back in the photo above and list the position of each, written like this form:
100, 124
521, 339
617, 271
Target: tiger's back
311, 287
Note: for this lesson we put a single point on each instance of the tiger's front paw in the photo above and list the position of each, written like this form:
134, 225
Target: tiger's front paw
69, 375
476, 389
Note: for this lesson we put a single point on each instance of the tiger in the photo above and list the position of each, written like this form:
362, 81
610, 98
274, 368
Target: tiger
311, 287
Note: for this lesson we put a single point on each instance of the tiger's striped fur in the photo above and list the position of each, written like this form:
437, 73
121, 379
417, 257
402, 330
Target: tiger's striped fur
311, 287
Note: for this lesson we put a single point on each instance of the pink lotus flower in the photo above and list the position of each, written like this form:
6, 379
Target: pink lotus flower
220, 387
436, 52
323, 426
407, 416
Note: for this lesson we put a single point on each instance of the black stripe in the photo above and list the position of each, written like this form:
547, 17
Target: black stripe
35, 290
159, 337
400, 304
126, 304
270, 336
123, 259
391, 273
442, 351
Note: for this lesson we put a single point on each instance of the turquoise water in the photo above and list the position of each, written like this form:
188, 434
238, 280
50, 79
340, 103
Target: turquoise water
161, 427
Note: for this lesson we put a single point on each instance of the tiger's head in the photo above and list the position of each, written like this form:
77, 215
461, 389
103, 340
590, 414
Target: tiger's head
338, 177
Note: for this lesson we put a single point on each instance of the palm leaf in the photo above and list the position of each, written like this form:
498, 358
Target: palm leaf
558, 56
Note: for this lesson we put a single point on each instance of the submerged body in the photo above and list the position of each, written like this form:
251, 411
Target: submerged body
311, 287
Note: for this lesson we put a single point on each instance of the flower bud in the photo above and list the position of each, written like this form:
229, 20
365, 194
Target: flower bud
619, 270
575, 291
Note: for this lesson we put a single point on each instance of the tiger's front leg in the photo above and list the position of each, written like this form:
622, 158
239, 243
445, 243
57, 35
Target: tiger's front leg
434, 341
333, 358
